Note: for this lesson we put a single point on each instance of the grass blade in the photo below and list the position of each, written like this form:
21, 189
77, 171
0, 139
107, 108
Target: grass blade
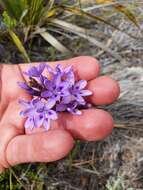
54, 42
19, 45
15, 7
104, 1
127, 13
83, 33
16, 177
10, 181
93, 17
122, 9
36, 8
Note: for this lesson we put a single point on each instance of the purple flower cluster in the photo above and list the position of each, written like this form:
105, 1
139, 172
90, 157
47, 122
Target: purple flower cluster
53, 91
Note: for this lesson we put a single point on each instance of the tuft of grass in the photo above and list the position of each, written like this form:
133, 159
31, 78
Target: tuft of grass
26, 20
117, 183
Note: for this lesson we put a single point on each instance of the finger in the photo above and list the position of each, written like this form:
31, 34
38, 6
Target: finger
7, 132
12, 114
92, 125
10, 89
105, 90
43, 147
84, 67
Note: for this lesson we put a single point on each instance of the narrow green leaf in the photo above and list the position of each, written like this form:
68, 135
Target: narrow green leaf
122, 9
17, 179
14, 8
10, 181
36, 8
8, 21
80, 12
51, 13
51, 4
19, 45
54, 42
23, 15
82, 32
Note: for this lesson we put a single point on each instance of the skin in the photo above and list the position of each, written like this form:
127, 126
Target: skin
20, 146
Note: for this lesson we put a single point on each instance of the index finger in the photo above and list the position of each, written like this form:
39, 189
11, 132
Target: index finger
85, 67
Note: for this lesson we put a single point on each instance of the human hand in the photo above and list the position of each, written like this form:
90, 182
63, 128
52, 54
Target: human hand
20, 146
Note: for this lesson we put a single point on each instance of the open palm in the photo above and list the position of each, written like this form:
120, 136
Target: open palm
20, 146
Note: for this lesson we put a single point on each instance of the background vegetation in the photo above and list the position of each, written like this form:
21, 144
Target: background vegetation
40, 30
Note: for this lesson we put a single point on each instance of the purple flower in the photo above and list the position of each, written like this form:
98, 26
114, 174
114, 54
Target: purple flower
30, 112
36, 71
60, 74
58, 93
54, 91
30, 90
77, 93
46, 114
38, 113
70, 107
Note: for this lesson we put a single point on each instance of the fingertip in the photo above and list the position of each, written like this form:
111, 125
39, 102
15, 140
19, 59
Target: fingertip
40, 147
64, 144
88, 66
61, 144
92, 125
105, 90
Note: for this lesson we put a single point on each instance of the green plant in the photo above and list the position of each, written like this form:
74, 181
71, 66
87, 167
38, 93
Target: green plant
117, 183
26, 19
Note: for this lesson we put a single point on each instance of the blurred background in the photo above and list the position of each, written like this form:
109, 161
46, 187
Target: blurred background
111, 31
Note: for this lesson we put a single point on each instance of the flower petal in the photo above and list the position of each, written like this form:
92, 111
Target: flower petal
39, 105
80, 84
34, 101
85, 93
50, 104
48, 84
71, 78
80, 99
46, 94
63, 86
46, 124
59, 68
24, 102
51, 114
33, 72
74, 111
38, 120
23, 85
42, 79
57, 80
61, 107
68, 99
28, 112
27, 88
65, 93
68, 69
77, 112
29, 123
41, 67
50, 69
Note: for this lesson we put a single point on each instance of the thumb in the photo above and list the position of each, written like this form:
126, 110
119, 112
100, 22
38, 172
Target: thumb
40, 147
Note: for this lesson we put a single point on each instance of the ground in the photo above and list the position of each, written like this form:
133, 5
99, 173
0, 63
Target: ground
115, 163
